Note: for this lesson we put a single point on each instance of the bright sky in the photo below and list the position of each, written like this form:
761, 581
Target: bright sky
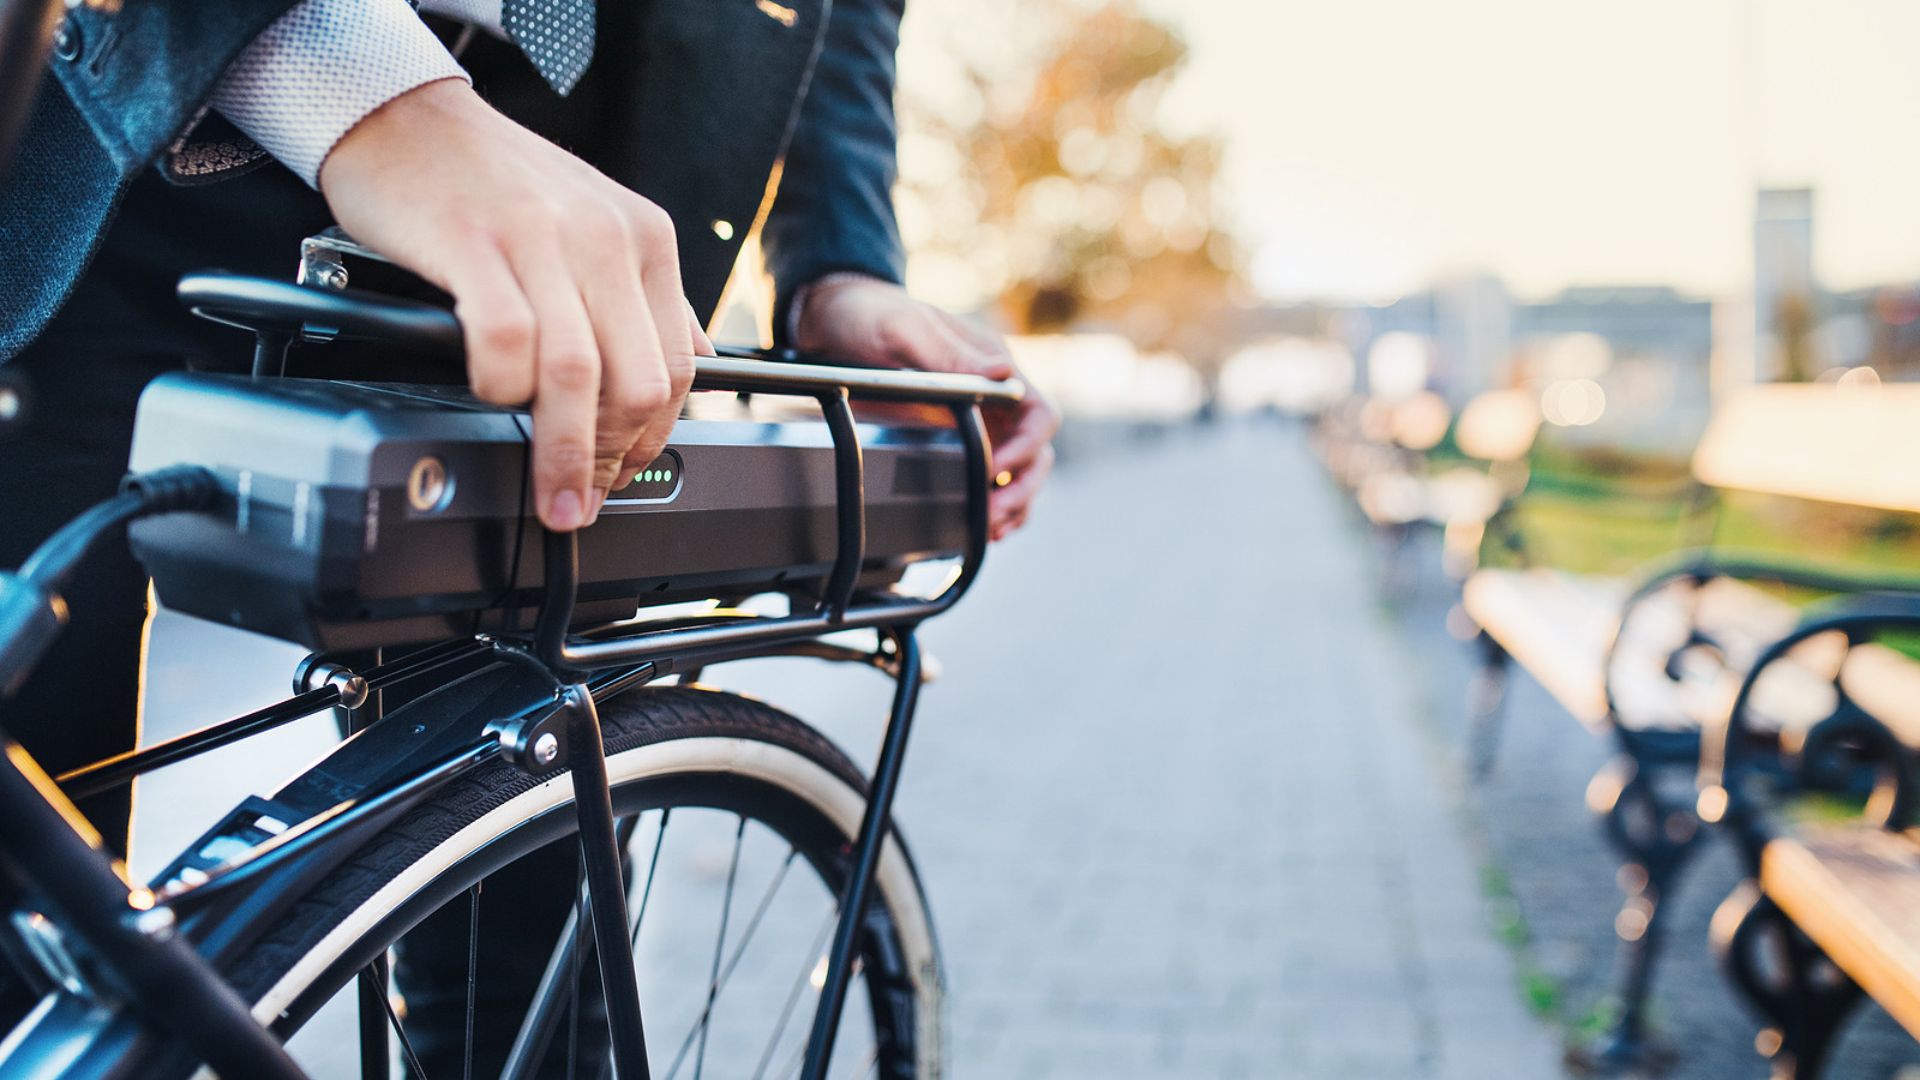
1376, 143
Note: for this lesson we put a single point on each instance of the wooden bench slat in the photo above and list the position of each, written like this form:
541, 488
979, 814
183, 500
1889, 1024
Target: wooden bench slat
1833, 444
1856, 892
1556, 626
1559, 626
1887, 685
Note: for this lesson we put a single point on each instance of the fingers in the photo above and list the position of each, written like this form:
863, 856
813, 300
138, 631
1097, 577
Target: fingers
917, 337
932, 340
1018, 439
566, 397
634, 386
1023, 456
497, 323
650, 232
1008, 507
680, 371
702, 344
996, 361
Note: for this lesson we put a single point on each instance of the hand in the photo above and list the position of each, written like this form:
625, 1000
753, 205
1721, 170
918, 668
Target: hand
870, 321
567, 284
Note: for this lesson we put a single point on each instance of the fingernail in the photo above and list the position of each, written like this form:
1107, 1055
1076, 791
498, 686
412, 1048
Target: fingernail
563, 513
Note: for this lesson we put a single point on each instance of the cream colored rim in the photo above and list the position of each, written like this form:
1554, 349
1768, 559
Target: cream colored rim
775, 765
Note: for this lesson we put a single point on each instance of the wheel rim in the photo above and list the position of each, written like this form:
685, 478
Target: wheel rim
767, 801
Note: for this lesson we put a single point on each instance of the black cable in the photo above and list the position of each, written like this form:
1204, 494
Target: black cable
181, 487
31, 611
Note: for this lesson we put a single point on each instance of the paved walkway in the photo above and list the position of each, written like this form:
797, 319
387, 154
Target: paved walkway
1170, 800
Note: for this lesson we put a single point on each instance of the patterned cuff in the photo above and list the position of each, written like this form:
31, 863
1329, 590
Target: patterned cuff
800, 295
311, 76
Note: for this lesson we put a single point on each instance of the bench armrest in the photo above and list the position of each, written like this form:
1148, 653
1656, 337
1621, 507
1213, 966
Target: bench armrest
1699, 566
1726, 794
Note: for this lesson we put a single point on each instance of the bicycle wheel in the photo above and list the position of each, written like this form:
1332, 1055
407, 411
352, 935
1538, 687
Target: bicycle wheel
741, 818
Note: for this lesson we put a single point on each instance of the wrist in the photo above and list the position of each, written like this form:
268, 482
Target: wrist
441, 105
809, 314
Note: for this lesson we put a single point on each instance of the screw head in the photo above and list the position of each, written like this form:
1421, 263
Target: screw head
546, 748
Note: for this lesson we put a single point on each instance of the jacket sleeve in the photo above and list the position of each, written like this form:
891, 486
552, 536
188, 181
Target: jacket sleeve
139, 75
834, 209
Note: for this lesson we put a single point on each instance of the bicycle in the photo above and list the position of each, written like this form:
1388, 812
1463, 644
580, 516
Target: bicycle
533, 665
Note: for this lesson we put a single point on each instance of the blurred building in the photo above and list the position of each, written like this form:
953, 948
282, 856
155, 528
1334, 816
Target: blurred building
1645, 348
1474, 321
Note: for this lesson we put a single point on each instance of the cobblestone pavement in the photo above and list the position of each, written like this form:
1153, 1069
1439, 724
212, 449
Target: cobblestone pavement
1172, 800
1532, 816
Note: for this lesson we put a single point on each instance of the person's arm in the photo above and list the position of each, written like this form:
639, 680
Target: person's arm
833, 213
834, 250
566, 283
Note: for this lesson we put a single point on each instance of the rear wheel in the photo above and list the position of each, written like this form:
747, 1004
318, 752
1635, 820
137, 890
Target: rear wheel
740, 820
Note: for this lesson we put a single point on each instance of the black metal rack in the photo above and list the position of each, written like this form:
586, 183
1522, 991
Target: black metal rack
170, 981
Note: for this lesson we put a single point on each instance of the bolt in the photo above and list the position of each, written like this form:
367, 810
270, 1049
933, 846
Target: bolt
546, 748
330, 276
352, 687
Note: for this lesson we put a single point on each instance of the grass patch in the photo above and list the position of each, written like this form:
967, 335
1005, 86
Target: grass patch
1609, 517
1823, 808
1540, 991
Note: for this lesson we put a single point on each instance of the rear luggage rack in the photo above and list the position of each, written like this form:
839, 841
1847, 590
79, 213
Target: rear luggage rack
280, 314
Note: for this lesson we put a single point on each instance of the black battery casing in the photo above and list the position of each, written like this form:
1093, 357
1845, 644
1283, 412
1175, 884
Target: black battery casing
326, 535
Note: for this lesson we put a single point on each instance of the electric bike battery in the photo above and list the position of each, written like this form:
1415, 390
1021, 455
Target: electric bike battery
356, 515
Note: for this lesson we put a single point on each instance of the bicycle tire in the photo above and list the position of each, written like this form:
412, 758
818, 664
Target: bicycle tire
658, 740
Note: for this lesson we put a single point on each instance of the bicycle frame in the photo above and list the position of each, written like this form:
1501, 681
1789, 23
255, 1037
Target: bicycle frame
151, 956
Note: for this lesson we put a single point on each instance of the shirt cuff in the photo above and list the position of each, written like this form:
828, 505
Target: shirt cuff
321, 68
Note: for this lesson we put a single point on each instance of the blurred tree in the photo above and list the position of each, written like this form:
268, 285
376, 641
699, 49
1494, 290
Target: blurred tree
1049, 180
1794, 325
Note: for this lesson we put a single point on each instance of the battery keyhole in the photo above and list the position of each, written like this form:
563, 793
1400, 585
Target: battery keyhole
428, 485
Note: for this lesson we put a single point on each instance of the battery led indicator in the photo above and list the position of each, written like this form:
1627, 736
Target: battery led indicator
659, 481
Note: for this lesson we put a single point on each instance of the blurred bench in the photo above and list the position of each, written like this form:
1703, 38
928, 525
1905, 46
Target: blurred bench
1385, 453
1652, 663
1832, 908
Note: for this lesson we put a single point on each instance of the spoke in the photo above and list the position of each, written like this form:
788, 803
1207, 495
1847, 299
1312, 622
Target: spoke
406, 1044
739, 950
646, 892
815, 956
373, 1021
473, 974
797, 1061
719, 949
